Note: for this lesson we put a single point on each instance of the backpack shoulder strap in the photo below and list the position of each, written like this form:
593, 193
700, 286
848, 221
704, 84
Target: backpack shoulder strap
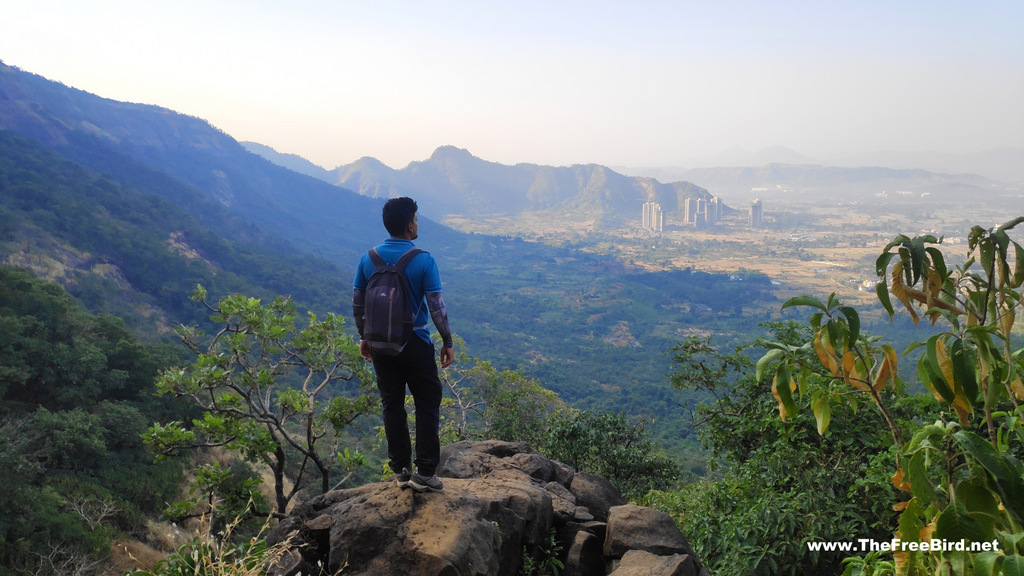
375, 258
404, 260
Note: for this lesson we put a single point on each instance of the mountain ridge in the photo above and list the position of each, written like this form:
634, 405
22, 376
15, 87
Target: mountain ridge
454, 181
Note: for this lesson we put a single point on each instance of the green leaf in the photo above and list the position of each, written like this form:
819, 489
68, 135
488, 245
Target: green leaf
854, 322
882, 263
987, 251
963, 370
917, 256
987, 563
920, 483
980, 503
832, 301
909, 274
882, 291
910, 523
955, 524
1013, 565
835, 334
898, 240
1004, 472
805, 301
938, 261
767, 359
1018, 272
815, 320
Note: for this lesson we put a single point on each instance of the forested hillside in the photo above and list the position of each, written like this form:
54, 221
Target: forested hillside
76, 395
126, 250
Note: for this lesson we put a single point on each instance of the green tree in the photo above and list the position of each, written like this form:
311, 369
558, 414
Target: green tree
961, 473
486, 403
781, 484
271, 391
612, 445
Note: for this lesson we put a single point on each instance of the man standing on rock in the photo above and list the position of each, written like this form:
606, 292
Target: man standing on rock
388, 274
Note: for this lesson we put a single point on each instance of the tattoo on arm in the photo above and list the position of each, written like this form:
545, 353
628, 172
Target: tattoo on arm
439, 314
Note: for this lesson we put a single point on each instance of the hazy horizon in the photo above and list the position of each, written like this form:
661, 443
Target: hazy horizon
649, 84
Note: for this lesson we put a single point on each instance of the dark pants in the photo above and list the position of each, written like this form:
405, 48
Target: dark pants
415, 367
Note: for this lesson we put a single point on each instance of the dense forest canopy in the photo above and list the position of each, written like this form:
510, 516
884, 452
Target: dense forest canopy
76, 394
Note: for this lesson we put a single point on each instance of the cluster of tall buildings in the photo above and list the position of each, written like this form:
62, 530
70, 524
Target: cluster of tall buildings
653, 218
701, 213
697, 212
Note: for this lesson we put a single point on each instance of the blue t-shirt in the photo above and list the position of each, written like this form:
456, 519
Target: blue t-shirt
421, 271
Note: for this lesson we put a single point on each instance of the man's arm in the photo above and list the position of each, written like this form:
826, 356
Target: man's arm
358, 306
439, 314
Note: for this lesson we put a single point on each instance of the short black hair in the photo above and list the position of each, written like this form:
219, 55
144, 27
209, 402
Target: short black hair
397, 214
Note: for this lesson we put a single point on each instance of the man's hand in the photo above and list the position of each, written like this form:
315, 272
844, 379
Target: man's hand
364, 350
447, 356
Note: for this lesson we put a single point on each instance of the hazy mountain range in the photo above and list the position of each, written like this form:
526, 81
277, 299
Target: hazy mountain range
453, 181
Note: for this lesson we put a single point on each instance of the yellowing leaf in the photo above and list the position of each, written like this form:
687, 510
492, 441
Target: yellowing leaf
881, 375
851, 374
899, 482
822, 413
932, 289
900, 560
784, 396
826, 354
1018, 388
960, 403
961, 411
900, 292
900, 506
926, 532
945, 363
1006, 317
934, 286
886, 368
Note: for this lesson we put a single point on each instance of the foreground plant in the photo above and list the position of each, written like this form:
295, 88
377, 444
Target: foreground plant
271, 391
962, 475
224, 556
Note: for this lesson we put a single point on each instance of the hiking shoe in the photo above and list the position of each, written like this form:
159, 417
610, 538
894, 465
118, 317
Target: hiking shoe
421, 483
402, 478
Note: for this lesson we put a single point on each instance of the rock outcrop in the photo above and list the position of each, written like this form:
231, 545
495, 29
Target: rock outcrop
501, 502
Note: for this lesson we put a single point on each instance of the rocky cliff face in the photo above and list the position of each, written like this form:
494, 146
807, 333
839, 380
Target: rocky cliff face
502, 502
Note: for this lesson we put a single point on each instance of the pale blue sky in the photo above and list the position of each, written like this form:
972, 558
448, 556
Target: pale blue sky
616, 83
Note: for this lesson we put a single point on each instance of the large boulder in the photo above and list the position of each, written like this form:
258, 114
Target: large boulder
597, 494
633, 527
641, 563
585, 557
500, 500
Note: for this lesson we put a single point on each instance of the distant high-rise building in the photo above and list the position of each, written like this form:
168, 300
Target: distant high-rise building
653, 218
714, 210
757, 214
690, 208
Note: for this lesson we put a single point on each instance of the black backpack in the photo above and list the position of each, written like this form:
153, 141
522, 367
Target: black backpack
389, 312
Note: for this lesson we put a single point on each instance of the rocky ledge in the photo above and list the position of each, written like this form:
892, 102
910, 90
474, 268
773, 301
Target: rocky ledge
501, 502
